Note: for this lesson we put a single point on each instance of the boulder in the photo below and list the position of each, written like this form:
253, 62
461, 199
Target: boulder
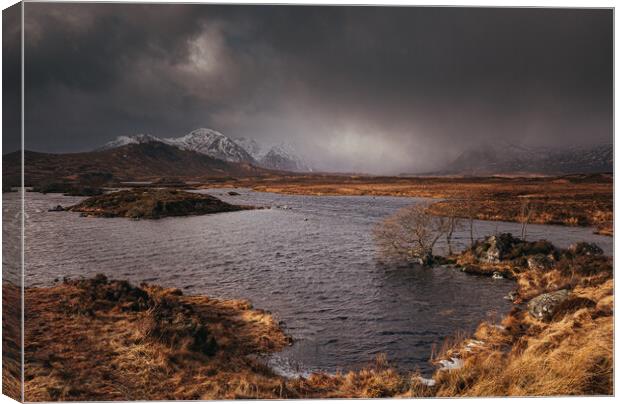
545, 306
540, 262
584, 248
513, 296
493, 249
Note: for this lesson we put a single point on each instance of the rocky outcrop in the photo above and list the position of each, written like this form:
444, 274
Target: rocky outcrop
153, 204
506, 249
540, 262
587, 249
494, 248
545, 306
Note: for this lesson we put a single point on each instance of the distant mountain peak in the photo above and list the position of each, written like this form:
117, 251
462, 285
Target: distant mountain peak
284, 157
140, 138
251, 146
515, 159
213, 144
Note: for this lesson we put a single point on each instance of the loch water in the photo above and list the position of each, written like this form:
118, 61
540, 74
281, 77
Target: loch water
310, 260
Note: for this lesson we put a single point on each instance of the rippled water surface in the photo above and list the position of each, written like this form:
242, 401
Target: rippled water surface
310, 260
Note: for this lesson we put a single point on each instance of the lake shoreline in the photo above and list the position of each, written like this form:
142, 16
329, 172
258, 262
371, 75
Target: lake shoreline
570, 200
494, 360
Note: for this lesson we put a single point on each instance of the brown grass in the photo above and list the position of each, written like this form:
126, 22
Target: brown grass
81, 345
576, 200
11, 341
572, 355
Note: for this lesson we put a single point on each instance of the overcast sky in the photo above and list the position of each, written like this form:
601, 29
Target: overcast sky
382, 90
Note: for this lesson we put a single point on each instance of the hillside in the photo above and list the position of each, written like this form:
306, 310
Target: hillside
131, 162
511, 159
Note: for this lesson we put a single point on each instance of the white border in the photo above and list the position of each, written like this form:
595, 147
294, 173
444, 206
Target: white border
477, 3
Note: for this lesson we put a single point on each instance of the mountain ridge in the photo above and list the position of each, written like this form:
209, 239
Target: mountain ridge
130, 162
513, 159
217, 145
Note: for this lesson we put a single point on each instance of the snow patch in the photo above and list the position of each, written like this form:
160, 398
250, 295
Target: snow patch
133, 139
427, 382
451, 364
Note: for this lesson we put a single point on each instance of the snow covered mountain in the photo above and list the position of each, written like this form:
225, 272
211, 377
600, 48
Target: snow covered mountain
216, 145
251, 146
283, 157
213, 144
134, 139
512, 159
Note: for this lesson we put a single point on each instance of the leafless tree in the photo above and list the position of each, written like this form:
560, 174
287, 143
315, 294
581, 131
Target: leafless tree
525, 215
411, 234
470, 208
453, 221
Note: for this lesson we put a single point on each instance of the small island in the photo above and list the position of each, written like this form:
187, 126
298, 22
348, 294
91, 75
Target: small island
152, 203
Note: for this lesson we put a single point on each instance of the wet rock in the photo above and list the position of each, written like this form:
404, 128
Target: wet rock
57, 208
584, 248
545, 306
493, 249
497, 275
513, 296
540, 262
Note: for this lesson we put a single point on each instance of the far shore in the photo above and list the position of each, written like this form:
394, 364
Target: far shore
570, 200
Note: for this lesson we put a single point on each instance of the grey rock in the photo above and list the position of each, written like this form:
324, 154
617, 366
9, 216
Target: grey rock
584, 248
544, 307
540, 262
493, 249
513, 295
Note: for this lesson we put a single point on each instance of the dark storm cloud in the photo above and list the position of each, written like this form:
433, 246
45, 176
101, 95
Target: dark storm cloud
358, 88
